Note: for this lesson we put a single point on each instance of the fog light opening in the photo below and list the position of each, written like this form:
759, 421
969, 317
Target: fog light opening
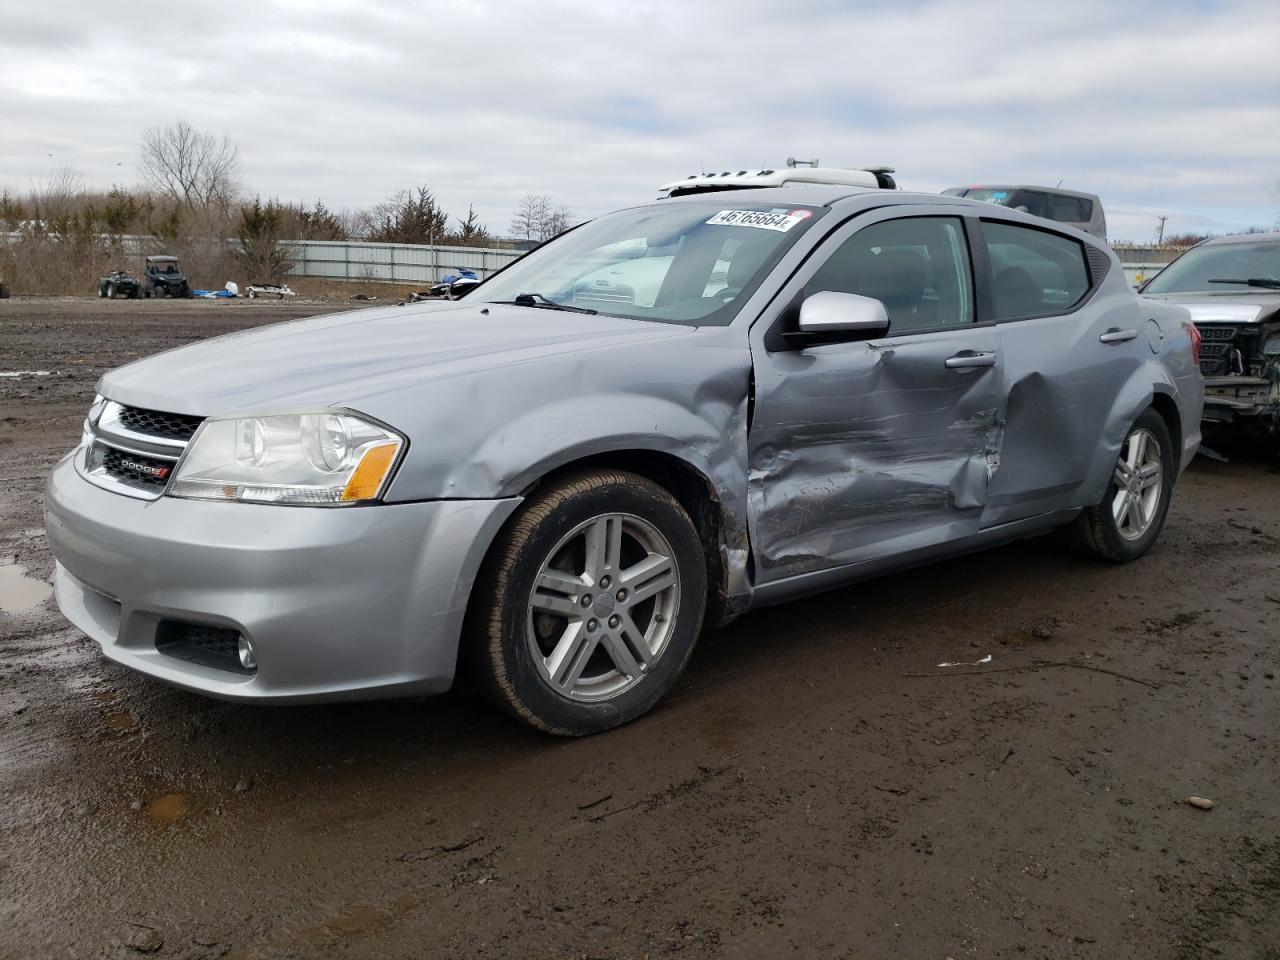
248, 659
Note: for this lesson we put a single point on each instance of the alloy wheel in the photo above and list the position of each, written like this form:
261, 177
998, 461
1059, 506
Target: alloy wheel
1139, 481
603, 607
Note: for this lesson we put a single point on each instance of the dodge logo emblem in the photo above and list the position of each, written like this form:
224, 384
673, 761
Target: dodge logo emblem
151, 471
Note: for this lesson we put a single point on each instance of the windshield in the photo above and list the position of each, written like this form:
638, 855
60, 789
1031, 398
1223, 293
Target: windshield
672, 262
1193, 271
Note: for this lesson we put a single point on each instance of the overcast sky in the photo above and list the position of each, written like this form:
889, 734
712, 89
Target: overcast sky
1169, 107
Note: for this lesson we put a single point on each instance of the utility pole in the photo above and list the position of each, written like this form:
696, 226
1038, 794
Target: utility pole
1160, 235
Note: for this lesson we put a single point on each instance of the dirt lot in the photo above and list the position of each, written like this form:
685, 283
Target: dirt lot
817, 785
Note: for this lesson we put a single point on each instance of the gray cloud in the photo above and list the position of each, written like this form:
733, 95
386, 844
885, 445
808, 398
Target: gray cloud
1160, 107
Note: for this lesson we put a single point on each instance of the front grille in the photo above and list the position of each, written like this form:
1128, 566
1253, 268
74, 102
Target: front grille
1214, 349
155, 423
136, 470
1213, 368
1220, 334
198, 643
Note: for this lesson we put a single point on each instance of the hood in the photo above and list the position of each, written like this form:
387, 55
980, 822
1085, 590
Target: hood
343, 358
1248, 305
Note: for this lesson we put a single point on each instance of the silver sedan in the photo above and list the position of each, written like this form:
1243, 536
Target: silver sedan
664, 418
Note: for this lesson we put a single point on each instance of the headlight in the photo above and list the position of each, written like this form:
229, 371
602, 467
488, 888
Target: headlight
95, 409
302, 458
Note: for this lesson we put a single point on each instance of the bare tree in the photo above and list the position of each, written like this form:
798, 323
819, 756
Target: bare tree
538, 219
556, 223
196, 169
530, 217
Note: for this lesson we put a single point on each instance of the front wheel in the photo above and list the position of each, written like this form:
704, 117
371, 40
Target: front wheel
1125, 524
111, 291
590, 603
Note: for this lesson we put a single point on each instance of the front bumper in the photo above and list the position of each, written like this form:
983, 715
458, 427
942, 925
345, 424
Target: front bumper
340, 603
1232, 398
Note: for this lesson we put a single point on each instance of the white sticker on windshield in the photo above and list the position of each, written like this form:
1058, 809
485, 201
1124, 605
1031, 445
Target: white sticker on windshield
761, 220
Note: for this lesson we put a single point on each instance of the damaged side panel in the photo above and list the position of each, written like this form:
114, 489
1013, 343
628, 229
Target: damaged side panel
862, 449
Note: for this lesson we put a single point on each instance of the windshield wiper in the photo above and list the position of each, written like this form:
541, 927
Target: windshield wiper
546, 303
1254, 282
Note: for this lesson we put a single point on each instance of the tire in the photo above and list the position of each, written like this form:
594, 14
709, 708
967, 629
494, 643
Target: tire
562, 658
1131, 534
111, 291
133, 294
101, 291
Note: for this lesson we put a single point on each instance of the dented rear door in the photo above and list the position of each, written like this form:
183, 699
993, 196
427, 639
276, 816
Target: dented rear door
1068, 346
866, 449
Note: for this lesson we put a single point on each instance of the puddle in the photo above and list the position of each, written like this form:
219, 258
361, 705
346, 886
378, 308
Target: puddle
121, 721
20, 592
168, 809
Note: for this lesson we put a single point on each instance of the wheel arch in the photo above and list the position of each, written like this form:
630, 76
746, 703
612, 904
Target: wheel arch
1164, 404
690, 486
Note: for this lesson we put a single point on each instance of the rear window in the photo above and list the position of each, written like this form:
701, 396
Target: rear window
1070, 209
1034, 273
1038, 203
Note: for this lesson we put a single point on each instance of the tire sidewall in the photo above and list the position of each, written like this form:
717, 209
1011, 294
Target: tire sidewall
1132, 549
552, 710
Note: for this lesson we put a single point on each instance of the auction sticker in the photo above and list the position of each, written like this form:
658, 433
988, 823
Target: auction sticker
760, 219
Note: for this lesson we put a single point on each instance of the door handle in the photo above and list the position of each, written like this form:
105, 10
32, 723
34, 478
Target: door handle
968, 360
1118, 336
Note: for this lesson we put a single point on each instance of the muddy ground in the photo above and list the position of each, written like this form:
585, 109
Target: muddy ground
816, 786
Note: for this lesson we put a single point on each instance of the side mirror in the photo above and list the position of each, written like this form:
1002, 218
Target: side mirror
830, 317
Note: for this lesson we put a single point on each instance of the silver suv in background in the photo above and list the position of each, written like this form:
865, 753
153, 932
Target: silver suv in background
562, 480
1080, 210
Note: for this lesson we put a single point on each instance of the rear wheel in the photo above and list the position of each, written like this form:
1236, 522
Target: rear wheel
1127, 521
111, 291
590, 603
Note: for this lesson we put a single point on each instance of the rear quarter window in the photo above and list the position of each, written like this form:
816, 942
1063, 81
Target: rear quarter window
1034, 273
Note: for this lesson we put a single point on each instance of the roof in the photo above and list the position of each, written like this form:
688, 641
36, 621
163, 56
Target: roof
869, 177
812, 194
162, 258
1244, 238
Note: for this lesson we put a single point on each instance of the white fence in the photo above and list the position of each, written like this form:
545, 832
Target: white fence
354, 259
1137, 273
410, 263
392, 262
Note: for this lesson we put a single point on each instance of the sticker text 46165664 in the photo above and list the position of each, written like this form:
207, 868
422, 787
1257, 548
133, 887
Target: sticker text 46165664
760, 219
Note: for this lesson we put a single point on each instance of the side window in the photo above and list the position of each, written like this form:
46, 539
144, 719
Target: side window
917, 267
1034, 273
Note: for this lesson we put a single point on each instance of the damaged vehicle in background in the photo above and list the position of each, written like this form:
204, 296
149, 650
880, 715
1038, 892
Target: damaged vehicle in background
562, 481
1231, 286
